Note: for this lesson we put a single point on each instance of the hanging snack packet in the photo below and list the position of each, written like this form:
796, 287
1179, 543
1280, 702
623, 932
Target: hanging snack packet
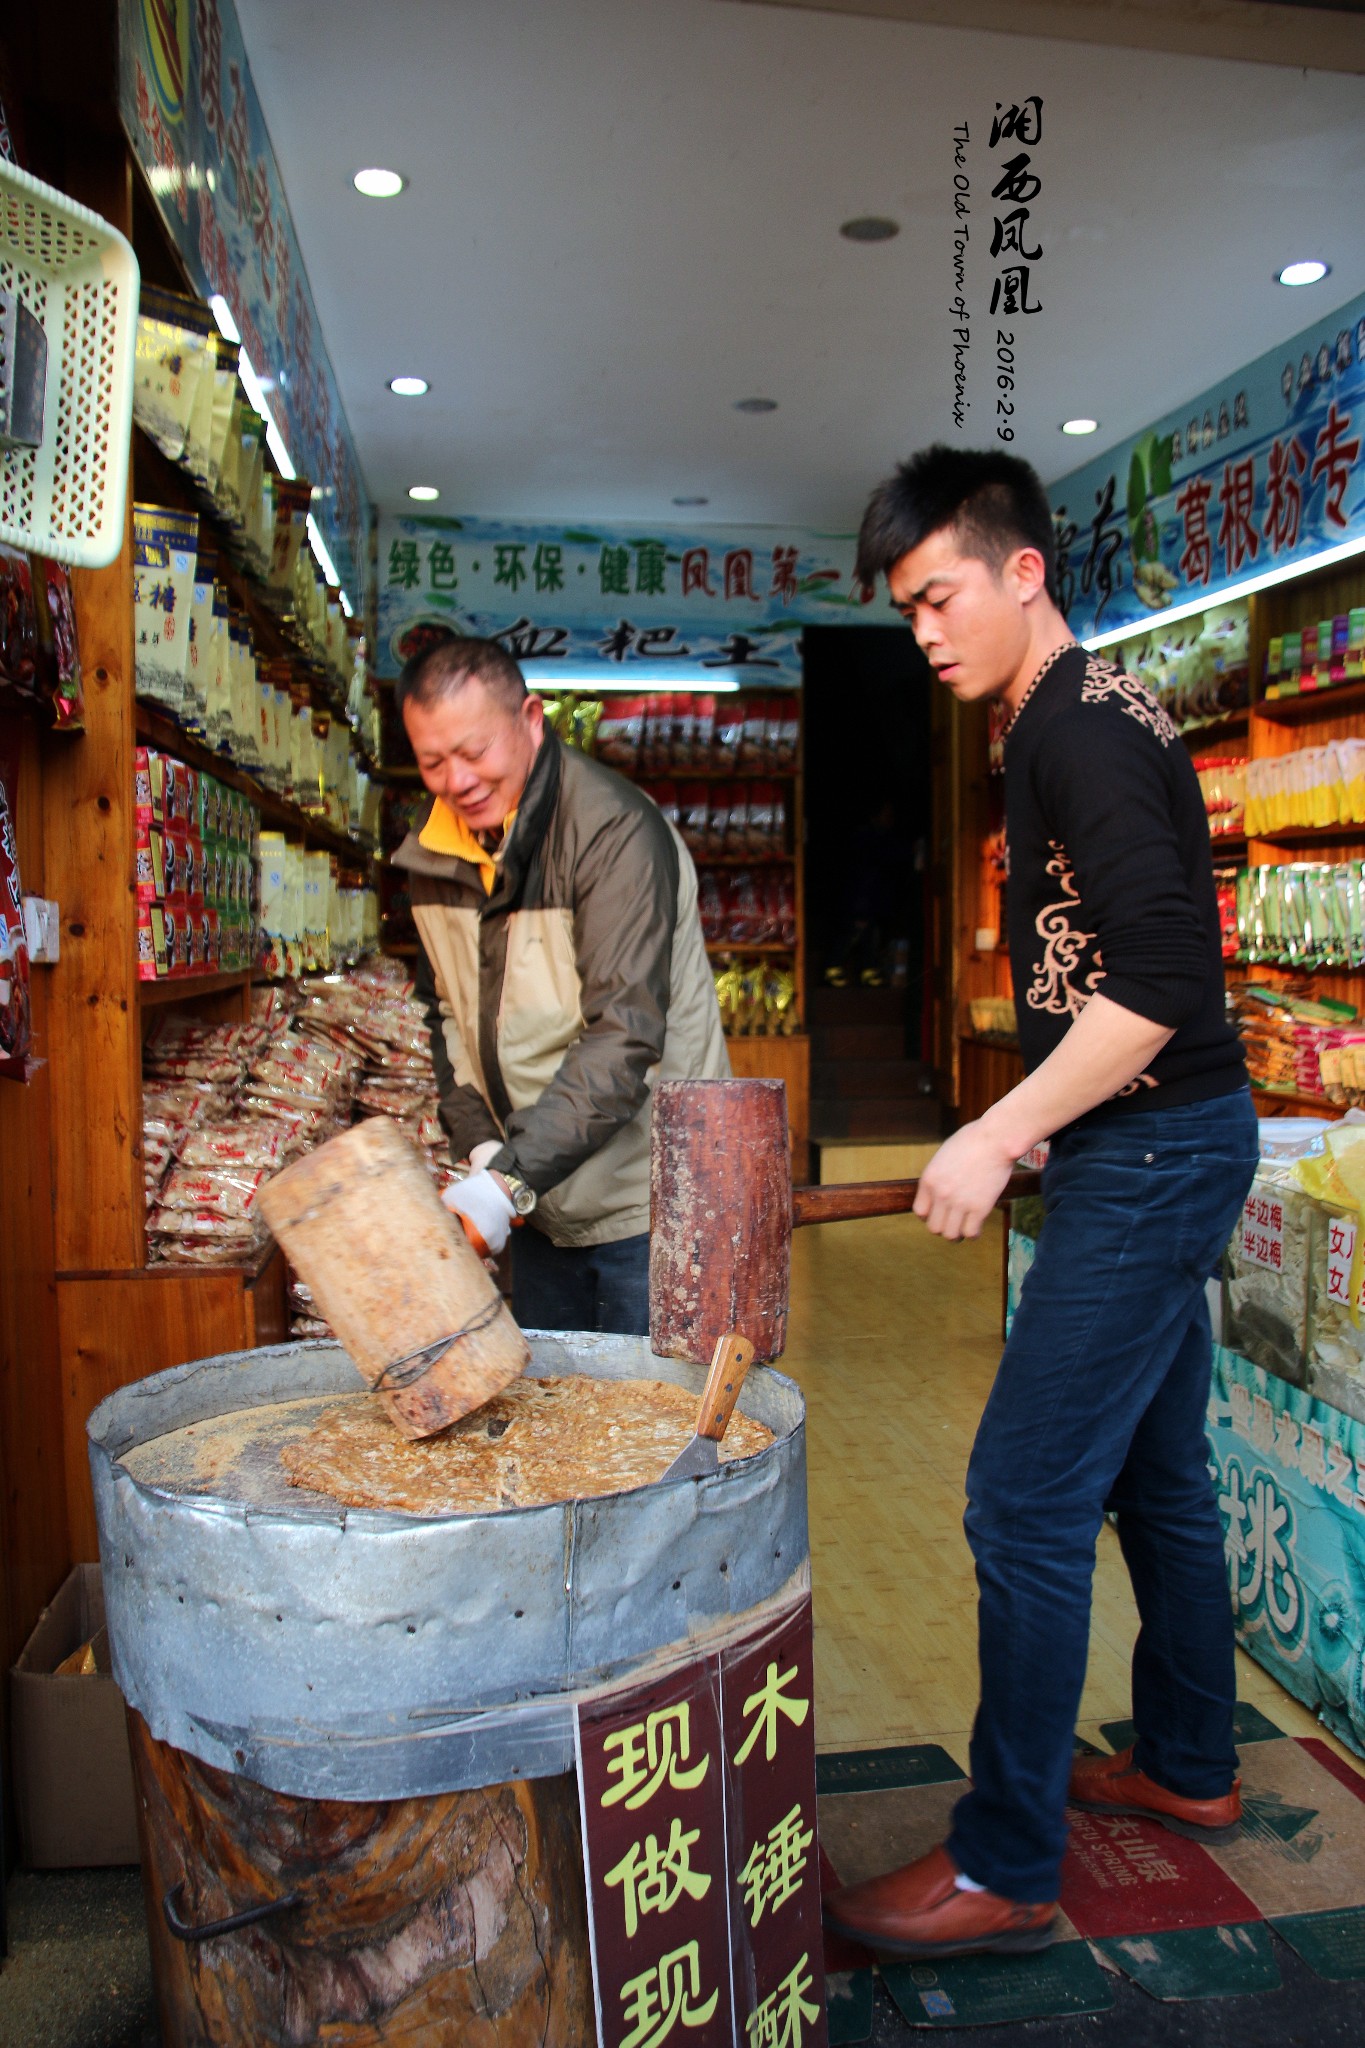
728, 732
18, 624
665, 795
737, 824
583, 723
718, 820
703, 728
60, 661
758, 837
711, 906
620, 733
684, 724
165, 544
788, 731
753, 744
694, 814
745, 916
657, 752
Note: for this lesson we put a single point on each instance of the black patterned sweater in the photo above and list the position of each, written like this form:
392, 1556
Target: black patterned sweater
1111, 879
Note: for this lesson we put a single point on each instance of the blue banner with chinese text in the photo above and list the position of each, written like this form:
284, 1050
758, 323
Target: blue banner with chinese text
1259, 473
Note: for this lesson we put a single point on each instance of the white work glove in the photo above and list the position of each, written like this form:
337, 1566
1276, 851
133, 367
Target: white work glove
483, 1208
481, 1154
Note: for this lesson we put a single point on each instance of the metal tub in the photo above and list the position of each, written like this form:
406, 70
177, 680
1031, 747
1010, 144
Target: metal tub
333, 1653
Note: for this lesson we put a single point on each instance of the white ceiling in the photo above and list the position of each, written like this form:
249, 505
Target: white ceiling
624, 216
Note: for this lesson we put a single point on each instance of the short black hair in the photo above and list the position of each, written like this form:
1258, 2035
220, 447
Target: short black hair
994, 503
446, 665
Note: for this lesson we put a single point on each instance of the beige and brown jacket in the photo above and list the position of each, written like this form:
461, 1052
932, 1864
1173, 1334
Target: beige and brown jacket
557, 1001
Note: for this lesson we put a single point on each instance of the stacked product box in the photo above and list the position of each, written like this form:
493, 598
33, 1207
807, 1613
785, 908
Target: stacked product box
310, 922
195, 870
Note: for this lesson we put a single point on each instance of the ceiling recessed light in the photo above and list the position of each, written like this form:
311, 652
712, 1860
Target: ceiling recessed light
424, 493
691, 501
870, 227
755, 405
377, 184
1079, 426
409, 387
1310, 272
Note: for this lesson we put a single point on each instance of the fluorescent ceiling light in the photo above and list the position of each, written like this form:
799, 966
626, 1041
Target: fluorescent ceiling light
378, 184
409, 387
636, 675
1284, 574
1079, 426
424, 493
1310, 272
251, 384
222, 314
325, 562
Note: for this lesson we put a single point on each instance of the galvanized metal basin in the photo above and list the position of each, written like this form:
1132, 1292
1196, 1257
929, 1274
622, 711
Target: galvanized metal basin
343, 1653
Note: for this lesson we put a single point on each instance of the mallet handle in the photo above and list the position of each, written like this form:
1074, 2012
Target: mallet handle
882, 1198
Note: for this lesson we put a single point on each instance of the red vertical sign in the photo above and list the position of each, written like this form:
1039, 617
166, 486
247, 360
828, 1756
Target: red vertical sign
698, 1800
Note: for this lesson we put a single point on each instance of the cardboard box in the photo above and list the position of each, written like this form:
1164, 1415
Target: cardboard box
73, 1776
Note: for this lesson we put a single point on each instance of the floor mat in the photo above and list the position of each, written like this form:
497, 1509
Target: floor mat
1179, 1920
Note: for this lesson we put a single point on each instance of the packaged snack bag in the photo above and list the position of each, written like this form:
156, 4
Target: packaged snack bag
718, 819
728, 732
584, 721
59, 655
703, 728
620, 733
758, 836
665, 795
711, 905
737, 823
16, 1018
657, 751
694, 815
753, 743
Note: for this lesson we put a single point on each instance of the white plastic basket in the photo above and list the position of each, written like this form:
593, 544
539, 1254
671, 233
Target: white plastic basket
78, 276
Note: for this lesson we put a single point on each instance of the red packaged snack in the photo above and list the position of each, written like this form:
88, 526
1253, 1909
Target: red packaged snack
703, 728
758, 836
684, 722
779, 834
727, 733
620, 733
657, 752
60, 666
788, 731
745, 914
694, 815
16, 1016
753, 743
737, 823
785, 884
18, 624
711, 903
718, 820
665, 795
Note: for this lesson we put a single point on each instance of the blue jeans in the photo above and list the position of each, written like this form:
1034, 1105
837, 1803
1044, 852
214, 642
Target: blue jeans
1100, 1403
580, 1287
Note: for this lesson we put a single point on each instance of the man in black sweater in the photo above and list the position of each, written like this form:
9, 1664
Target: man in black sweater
1134, 1074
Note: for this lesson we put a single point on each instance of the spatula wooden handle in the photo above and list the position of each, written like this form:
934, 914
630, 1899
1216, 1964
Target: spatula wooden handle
731, 1361
847, 1202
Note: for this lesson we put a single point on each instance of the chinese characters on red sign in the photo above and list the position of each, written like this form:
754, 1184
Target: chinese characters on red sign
698, 1798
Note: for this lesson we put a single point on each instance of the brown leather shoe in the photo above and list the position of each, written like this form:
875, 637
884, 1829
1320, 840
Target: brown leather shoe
918, 1911
1111, 1784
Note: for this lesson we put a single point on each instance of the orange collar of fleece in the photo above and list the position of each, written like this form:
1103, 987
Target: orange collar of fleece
446, 832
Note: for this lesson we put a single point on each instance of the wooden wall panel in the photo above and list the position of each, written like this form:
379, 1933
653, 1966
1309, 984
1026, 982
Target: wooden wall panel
119, 1327
33, 1536
89, 838
778, 1059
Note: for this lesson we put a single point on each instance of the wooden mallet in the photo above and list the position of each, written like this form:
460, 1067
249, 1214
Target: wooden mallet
722, 1212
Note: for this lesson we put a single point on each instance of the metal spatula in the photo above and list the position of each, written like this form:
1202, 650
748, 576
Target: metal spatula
730, 1362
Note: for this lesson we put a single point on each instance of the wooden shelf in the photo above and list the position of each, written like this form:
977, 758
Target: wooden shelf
185, 987
743, 860
157, 729
1228, 846
1313, 1105
1228, 725
745, 951
999, 1041
1309, 704
1313, 835
399, 949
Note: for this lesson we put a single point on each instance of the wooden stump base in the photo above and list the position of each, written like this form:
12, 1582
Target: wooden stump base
419, 1922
